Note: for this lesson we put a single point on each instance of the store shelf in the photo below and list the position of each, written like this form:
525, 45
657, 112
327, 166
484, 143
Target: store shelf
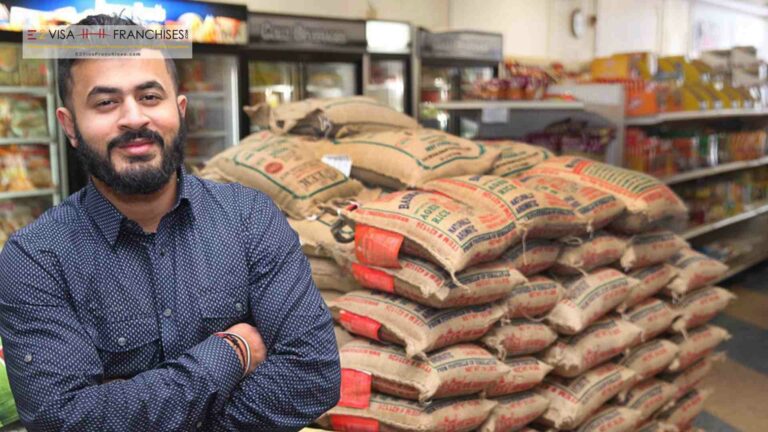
512, 105
205, 94
741, 265
36, 91
207, 134
708, 228
26, 194
720, 169
694, 115
282, 88
41, 140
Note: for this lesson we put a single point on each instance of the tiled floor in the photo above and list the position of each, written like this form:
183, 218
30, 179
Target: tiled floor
740, 401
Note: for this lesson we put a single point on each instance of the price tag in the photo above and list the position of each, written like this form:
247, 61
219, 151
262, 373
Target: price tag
342, 163
495, 115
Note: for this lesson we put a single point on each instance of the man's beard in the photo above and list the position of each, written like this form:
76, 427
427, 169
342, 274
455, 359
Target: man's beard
134, 180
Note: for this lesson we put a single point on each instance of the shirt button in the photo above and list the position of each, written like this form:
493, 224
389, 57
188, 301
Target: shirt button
121, 341
167, 313
199, 424
28, 358
239, 307
162, 253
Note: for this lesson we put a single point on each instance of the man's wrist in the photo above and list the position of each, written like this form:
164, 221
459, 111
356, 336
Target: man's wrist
236, 345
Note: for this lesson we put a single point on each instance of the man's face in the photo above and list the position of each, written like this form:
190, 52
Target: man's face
126, 122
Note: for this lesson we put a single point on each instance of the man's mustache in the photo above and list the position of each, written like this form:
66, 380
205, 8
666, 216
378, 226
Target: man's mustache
127, 137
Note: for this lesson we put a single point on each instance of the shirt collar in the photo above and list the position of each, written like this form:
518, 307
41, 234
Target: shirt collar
109, 219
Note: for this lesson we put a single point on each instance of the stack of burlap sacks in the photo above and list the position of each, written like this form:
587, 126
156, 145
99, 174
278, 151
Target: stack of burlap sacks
489, 287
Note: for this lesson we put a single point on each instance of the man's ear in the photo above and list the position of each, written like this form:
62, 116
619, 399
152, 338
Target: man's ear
181, 101
67, 123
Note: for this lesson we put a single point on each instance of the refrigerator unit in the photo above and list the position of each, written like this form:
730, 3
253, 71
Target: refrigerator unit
450, 63
291, 58
388, 64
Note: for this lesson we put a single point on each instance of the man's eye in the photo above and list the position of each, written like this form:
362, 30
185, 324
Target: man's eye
104, 103
151, 97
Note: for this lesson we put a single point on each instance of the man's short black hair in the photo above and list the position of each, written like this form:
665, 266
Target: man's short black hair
64, 74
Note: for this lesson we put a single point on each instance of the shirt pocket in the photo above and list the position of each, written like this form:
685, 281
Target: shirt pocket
221, 309
127, 346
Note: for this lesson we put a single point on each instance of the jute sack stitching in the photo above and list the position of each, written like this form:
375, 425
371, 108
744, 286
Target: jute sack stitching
699, 307
653, 316
277, 166
329, 117
650, 396
458, 370
429, 226
571, 401
516, 157
420, 329
519, 337
651, 358
651, 280
515, 411
534, 298
588, 298
595, 207
533, 256
536, 214
410, 158
686, 409
612, 419
648, 201
601, 341
698, 343
524, 374
648, 249
694, 270
586, 253
386, 413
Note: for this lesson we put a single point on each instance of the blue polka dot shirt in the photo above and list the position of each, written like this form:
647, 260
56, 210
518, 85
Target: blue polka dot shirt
108, 328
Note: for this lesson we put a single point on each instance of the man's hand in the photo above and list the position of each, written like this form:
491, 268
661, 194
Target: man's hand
252, 336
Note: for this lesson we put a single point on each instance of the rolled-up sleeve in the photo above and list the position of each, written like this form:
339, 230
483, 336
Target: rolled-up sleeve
301, 376
55, 371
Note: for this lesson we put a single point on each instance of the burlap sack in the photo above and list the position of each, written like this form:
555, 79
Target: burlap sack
648, 201
430, 226
420, 329
428, 284
519, 337
342, 336
334, 117
651, 358
537, 214
652, 279
534, 298
653, 316
459, 370
327, 275
595, 207
389, 414
277, 166
682, 413
697, 344
699, 307
657, 426
410, 158
648, 249
689, 378
571, 401
649, 396
586, 253
316, 237
694, 270
516, 157
524, 374
515, 411
603, 340
612, 419
533, 256
329, 296
588, 298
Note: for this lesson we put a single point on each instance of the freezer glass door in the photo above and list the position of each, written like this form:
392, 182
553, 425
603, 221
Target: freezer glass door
273, 82
210, 84
387, 83
330, 80
470, 77
438, 84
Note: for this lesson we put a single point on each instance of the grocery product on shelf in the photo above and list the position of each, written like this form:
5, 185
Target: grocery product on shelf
16, 214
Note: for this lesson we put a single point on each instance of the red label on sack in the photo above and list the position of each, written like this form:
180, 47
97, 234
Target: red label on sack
347, 423
355, 389
373, 278
378, 247
360, 325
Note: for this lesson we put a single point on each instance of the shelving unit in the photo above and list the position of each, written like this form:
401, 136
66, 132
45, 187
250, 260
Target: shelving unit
708, 228
208, 134
23, 141
694, 115
712, 171
27, 194
510, 105
206, 94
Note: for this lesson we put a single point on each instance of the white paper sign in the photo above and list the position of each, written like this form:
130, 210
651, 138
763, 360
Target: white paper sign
495, 115
342, 163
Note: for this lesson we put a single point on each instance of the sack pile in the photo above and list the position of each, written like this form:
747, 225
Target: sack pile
490, 287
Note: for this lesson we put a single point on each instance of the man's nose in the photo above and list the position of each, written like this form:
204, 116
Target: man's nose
133, 117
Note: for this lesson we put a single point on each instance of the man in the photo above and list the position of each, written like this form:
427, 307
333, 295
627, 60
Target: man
111, 303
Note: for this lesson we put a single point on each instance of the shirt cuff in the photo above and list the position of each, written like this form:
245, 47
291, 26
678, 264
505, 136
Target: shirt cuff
221, 361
